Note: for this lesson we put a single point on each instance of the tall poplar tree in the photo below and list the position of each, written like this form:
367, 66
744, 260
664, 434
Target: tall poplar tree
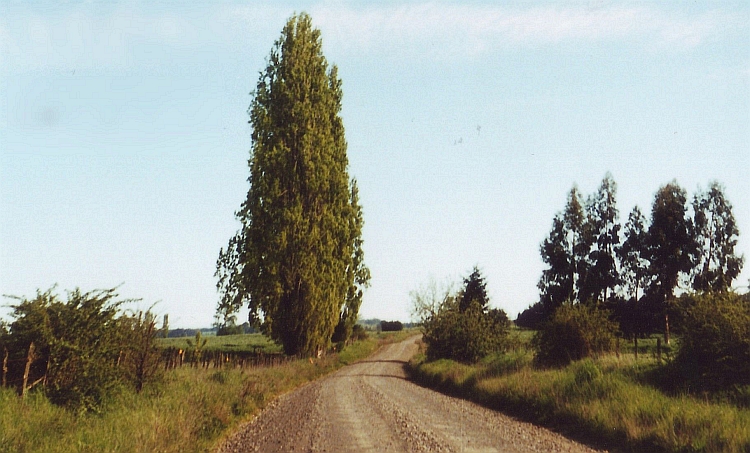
297, 260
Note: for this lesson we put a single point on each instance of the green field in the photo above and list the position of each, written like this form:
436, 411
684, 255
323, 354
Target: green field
256, 342
253, 342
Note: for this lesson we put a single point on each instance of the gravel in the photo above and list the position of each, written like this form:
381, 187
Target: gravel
371, 407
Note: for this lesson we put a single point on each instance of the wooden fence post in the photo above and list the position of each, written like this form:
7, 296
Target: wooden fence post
635, 340
29, 359
658, 350
46, 371
5, 367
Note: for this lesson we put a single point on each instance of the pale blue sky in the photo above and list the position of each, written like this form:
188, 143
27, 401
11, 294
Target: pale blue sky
124, 135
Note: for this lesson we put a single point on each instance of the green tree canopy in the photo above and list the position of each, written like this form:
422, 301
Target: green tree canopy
556, 283
716, 233
603, 224
671, 242
672, 248
633, 253
297, 260
566, 251
451, 332
474, 291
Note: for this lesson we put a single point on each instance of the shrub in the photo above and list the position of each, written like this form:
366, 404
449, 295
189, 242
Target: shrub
84, 349
358, 333
574, 332
140, 358
464, 336
715, 346
460, 326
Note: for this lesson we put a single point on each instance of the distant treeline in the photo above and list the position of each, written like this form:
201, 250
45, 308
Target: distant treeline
246, 328
391, 326
377, 324
179, 333
243, 328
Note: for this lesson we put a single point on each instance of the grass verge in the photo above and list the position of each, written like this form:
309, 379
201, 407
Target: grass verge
189, 412
604, 402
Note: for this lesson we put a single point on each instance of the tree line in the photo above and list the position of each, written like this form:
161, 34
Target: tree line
636, 269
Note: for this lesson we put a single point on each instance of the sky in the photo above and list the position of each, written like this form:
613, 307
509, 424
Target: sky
124, 135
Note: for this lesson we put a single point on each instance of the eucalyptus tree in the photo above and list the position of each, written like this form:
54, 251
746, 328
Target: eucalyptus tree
297, 260
672, 248
716, 232
556, 283
604, 229
565, 251
579, 240
633, 253
634, 274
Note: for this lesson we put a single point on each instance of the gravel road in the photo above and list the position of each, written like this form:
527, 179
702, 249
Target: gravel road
371, 407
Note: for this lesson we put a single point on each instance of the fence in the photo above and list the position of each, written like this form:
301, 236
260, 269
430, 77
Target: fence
21, 380
31, 370
176, 358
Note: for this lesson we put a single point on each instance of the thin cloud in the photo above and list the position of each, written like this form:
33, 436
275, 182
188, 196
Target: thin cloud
474, 29
86, 37
121, 39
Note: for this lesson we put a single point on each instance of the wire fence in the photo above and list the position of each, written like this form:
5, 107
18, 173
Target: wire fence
27, 371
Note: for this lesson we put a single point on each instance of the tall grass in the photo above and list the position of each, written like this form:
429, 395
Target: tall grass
604, 400
189, 412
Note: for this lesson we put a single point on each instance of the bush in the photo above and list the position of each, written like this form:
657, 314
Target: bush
358, 333
574, 332
464, 336
84, 349
460, 325
140, 359
715, 347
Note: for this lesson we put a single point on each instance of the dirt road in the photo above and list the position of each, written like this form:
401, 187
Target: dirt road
371, 407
